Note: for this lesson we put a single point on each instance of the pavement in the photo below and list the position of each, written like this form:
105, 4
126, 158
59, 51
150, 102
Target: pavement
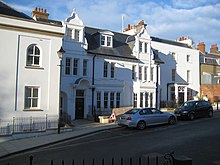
14, 144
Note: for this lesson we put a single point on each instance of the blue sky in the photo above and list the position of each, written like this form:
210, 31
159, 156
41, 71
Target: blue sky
169, 19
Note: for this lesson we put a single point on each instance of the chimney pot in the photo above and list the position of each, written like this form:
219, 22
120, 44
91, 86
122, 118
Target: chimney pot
214, 49
201, 47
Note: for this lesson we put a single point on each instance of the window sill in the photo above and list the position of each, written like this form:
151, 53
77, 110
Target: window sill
34, 67
32, 110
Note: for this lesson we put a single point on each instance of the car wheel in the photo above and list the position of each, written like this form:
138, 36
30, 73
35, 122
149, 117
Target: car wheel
141, 125
172, 120
191, 116
210, 114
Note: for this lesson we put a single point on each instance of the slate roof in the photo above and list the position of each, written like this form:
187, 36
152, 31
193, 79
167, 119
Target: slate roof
122, 44
7, 10
170, 42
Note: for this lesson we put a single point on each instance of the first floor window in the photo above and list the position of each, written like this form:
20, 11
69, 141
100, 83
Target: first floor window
105, 69
135, 99
33, 55
133, 72
31, 97
140, 72
75, 66
68, 66
188, 76
85, 63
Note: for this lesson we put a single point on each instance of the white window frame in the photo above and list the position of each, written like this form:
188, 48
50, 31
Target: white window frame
33, 56
32, 97
106, 40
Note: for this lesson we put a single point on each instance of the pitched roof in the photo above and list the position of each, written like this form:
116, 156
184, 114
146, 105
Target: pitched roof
7, 10
170, 42
122, 44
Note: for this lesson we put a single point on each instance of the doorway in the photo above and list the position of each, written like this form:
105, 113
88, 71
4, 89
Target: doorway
79, 104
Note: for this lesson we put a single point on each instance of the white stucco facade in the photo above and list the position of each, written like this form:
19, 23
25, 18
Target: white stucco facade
29, 82
179, 73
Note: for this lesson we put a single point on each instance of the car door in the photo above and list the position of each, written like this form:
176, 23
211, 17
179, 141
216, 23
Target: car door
158, 116
199, 109
146, 115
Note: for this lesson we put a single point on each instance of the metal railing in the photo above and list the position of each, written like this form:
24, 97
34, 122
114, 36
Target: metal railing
167, 159
27, 124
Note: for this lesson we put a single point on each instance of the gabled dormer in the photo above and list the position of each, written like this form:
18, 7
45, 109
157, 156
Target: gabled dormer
74, 28
106, 39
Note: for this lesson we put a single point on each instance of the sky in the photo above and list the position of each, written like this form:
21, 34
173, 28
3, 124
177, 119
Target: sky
167, 19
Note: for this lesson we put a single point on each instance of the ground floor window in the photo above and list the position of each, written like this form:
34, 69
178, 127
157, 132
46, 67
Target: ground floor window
112, 99
105, 99
98, 99
135, 100
31, 97
118, 99
141, 99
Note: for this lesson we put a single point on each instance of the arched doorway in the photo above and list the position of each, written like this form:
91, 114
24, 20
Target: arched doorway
82, 93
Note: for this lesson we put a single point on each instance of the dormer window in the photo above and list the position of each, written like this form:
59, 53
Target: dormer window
73, 34
106, 40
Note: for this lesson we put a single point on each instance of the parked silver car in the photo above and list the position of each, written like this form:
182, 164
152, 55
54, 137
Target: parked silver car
142, 117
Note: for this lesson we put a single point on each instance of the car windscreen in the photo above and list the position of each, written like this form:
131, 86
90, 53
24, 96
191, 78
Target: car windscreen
187, 105
132, 111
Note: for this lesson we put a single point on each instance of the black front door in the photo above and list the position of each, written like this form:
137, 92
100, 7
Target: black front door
79, 108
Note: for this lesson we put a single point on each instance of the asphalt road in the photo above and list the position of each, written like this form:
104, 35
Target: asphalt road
198, 139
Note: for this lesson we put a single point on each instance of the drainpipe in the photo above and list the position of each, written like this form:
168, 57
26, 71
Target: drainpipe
93, 88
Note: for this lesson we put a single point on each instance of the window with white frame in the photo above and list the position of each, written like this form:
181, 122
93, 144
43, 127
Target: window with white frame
118, 98
106, 40
69, 33
145, 73
76, 34
188, 76
188, 58
140, 46
112, 70
73, 34
33, 55
75, 66
112, 100
105, 99
146, 99
135, 99
145, 47
98, 100
133, 72
152, 74
140, 72
141, 99
68, 66
31, 97
105, 69
85, 63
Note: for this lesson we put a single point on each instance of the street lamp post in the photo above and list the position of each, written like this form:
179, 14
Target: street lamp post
60, 54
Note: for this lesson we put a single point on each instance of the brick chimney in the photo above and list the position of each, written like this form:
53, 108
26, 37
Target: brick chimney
40, 13
201, 47
214, 49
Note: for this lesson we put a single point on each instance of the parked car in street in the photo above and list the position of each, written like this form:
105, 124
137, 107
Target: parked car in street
193, 109
142, 117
